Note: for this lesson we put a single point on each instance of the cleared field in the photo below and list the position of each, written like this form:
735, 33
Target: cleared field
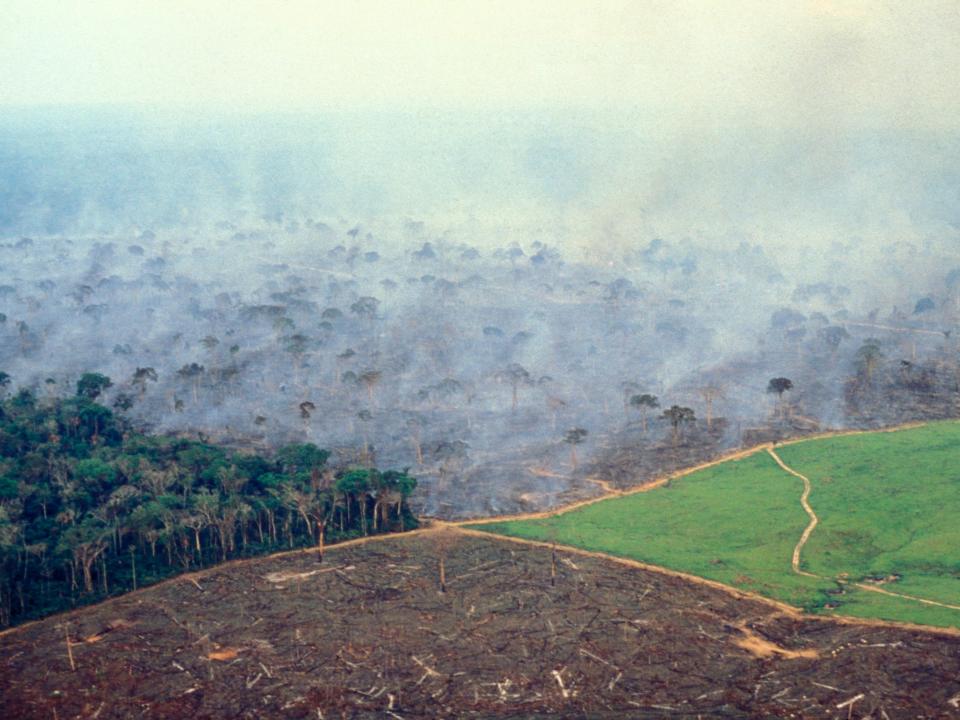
366, 634
888, 505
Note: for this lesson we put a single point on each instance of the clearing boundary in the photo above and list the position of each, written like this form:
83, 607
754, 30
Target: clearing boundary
463, 527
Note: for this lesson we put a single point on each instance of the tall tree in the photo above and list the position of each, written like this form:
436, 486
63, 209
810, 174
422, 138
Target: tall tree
140, 378
92, 385
574, 437
365, 307
679, 416
644, 403
868, 357
710, 394
414, 426
306, 410
297, 345
370, 379
628, 389
192, 373
516, 375
832, 336
778, 386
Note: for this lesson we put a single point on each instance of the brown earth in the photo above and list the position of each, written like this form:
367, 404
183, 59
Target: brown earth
370, 635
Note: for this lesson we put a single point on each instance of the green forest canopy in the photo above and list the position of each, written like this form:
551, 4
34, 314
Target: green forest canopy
90, 507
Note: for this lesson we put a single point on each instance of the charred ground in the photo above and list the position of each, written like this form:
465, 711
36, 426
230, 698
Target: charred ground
368, 634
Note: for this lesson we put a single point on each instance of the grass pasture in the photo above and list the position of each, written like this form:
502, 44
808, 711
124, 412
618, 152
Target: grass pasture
888, 505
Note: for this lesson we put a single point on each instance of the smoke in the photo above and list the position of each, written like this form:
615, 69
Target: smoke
336, 282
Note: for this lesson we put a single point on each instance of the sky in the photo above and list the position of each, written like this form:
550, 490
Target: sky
782, 120
773, 63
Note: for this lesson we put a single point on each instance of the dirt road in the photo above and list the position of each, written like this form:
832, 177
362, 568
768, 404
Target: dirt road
804, 501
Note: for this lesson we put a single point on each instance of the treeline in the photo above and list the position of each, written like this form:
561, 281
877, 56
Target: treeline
89, 507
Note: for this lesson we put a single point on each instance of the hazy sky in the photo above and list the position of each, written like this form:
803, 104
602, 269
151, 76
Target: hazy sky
775, 63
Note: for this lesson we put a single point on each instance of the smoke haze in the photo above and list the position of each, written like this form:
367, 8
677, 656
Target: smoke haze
615, 199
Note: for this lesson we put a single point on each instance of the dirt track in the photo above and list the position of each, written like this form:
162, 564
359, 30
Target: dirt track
804, 501
613, 492
367, 634
795, 561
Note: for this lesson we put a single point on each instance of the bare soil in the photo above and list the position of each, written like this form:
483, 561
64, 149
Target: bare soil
367, 634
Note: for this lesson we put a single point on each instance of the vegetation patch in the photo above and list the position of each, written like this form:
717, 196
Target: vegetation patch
887, 504
90, 508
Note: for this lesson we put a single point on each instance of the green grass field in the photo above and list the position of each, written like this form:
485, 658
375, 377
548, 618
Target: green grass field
888, 503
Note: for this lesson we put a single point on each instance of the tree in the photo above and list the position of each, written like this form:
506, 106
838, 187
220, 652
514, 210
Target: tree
443, 542
629, 389
451, 454
574, 437
92, 385
115, 508
448, 388
192, 372
516, 375
282, 325
365, 416
355, 486
306, 409
398, 484
924, 305
868, 357
24, 399
347, 356
322, 508
141, 376
555, 405
303, 458
365, 307
297, 346
832, 336
85, 542
778, 386
370, 378
644, 403
710, 393
678, 417
123, 401
4, 384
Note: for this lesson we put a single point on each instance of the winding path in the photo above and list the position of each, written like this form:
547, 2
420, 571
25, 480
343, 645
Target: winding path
795, 562
873, 588
804, 500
